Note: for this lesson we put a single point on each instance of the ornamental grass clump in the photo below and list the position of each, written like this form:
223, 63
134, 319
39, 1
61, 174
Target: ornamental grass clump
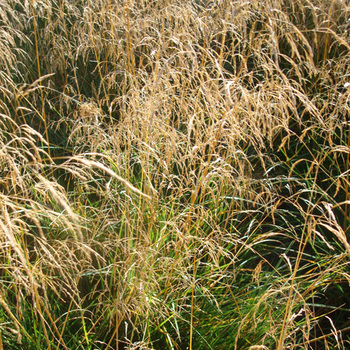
174, 174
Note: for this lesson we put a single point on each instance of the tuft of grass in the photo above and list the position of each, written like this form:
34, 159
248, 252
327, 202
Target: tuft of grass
174, 174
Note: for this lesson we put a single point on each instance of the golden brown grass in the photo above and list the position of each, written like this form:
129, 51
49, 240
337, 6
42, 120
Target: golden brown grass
174, 174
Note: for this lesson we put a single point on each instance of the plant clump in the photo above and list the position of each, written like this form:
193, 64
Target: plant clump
174, 174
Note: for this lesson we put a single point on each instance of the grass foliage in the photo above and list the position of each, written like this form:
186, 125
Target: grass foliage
174, 174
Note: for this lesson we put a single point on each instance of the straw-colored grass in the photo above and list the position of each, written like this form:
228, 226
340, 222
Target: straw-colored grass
174, 174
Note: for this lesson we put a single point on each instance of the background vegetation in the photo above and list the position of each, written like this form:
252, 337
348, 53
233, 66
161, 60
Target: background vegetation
174, 174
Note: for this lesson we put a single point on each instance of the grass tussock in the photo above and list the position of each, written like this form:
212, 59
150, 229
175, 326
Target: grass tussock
174, 174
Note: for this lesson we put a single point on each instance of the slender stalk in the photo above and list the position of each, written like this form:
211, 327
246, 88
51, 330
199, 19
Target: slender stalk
39, 76
347, 196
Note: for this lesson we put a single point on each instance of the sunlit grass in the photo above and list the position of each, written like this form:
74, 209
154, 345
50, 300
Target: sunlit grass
174, 174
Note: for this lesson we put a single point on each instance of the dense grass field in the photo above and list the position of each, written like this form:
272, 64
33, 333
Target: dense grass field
174, 174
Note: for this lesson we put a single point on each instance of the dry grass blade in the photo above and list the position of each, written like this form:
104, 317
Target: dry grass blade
93, 164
